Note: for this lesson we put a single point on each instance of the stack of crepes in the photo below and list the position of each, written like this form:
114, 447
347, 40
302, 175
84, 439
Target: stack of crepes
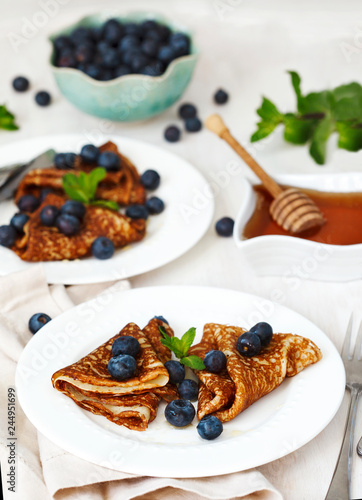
132, 403
41, 243
123, 186
245, 380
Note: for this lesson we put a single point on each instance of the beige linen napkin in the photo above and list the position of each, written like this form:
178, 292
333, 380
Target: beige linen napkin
45, 471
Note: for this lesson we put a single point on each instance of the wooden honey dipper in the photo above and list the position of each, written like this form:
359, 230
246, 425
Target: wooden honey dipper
292, 210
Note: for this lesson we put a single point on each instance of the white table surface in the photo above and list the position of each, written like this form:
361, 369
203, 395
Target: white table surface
246, 47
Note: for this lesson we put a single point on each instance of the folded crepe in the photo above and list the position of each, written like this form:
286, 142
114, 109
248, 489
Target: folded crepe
132, 403
41, 243
245, 379
123, 187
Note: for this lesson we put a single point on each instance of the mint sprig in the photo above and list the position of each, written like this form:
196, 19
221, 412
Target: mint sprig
317, 117
7, 119
83, 187
180, 348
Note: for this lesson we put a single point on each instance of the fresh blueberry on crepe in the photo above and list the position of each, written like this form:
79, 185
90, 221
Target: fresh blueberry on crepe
176, 371
150, 179
68, 224
110, 161
37, 321
137, 212
188, 389
28, 203
73, 207
248, 344
161, 318
126, 345
187, 110
64, 161
18, 222
89, 153
8, 235
215, 361
44, 193
20, 84
179, 412
102, 248
209, 427
48, 215
225, 226
264, 331
155, 205
172, 134
122, 366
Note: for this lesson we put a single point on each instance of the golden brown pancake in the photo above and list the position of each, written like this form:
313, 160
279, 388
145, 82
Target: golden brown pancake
133, 402
123, 187
41, 243
246, 380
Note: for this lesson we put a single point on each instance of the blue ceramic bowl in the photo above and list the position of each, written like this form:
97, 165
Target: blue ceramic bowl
129, 97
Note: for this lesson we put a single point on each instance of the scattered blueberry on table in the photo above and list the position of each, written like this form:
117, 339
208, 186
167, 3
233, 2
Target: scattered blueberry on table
193, 124
126, 345
221, 97
215, 361
188, 389
28, 203
20, 84
187, 110
176, 371
209, 427
248, 344
122, 366
48, 215
37, 321
264, 331
68, 224
8, 235
150, 179
43, 98
172, 133
225, 226
155, 205
137, 212
102, 248
180, 412
18, 221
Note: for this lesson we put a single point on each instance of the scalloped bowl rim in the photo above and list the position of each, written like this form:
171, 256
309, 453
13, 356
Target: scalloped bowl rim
135, 76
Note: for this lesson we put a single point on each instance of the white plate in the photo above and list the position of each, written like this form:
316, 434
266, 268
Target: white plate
295, 257
169, 235
274, 426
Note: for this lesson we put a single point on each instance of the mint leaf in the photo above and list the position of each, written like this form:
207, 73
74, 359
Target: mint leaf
318, 145
296, 80
112, 205
271, 117
193, 362
353, 90
298, 130
94, 178
350, 136
82, 187
187, 340
7, 119
173, 343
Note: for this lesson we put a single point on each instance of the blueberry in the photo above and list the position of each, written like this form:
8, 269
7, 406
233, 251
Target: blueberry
89, 153
129, 55
248, 344
64, 161
113, 31
20, 83
42, 98
111, 58
133, 29
103, 47
161, 318
187, 111
225, 226
67, 59
102, 248
44, 193
18, 222
126, 345
153, 68
176, 371
150, 47
166, 54
110, 161
172, 133
137, 212
139, 61
193, 124
122, 366
155, 205
37, 321
149, 24
180, 43
150, 180
8, 235
73, 207
106, 75
128, 42
264, 331
179, 412
122, 70
209, 427
68, 224
221, 97
84, 53
215, 361
80, 35
28, 203
93, 70
48, 215
188, 389
62, 42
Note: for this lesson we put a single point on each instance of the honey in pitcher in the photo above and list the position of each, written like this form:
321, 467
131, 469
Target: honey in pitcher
342, 211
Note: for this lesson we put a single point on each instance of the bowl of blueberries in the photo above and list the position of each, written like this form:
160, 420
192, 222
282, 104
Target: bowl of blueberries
123, 68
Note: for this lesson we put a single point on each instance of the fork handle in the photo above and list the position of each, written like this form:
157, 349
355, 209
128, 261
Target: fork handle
341, 480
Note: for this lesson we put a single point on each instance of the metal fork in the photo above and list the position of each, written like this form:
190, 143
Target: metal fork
341, 481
